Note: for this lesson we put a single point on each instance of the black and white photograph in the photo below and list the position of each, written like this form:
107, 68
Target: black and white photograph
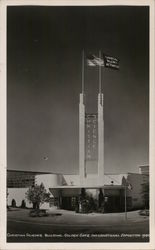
77, 123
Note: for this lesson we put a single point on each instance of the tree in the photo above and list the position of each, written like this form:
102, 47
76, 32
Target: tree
145, 194
37, 195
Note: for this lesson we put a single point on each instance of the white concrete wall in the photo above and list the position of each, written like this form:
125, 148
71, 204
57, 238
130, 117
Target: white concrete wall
18, 194
49, 180
89, 180
115, 179
71, 180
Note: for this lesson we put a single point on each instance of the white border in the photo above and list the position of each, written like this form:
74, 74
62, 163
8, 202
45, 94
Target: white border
3, 163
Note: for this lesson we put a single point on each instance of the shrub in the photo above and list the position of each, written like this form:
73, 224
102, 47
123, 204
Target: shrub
23, 204
87, 203
13, 203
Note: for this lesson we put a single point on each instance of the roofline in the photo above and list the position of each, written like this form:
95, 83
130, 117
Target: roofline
30, 171
37, 172
144, 166
88, 187
122, 173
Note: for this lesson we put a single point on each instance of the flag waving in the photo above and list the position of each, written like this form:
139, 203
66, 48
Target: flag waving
111, 62
105, 61
94, 61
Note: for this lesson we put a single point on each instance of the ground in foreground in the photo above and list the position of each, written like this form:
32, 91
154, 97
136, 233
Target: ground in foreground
68, 226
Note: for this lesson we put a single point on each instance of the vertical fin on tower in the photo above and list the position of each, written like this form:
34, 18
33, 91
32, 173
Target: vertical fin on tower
100, 139
82, 139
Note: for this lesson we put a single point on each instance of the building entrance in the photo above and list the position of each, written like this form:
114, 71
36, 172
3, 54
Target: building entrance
69, 203
113, 204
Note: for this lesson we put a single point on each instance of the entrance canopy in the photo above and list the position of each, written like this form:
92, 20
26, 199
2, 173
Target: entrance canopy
76, 190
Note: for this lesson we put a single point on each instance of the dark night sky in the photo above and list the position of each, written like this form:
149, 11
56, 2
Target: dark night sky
44, 81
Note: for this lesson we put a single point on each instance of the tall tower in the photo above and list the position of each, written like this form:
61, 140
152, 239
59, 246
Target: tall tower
83, 134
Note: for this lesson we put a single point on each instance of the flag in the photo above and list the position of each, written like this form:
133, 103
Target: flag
94, 61
110, 62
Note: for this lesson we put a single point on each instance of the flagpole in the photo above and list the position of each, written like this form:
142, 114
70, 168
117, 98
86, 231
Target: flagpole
100, 73
83, 71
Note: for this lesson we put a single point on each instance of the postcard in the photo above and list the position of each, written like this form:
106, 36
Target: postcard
77, 116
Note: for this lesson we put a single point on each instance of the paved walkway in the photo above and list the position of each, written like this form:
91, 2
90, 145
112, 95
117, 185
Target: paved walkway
59, 216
